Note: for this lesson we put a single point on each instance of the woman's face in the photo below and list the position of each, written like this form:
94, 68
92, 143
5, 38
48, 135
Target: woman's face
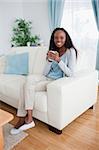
59, 38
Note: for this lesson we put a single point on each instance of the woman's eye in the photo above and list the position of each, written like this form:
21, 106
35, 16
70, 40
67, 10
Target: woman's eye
56, 38
59, 38
62, 38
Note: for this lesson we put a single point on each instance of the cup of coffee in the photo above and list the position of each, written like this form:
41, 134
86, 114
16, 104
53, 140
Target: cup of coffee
54, 52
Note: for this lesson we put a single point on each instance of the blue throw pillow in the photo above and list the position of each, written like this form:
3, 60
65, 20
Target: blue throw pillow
17, 64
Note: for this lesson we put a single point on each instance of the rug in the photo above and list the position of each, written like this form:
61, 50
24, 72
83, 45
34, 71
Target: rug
11, 140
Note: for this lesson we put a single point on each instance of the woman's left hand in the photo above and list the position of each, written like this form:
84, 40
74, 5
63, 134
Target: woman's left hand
56, 57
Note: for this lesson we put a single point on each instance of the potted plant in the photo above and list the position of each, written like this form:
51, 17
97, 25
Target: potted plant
34, 40
22, 34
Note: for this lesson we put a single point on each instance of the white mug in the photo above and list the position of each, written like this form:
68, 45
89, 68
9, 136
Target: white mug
53, 53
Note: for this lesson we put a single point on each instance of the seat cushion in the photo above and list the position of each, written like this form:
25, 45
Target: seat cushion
41, 101
10, 85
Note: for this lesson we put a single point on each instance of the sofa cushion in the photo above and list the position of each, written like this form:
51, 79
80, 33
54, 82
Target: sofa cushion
37, 57
38, 61
17, 64
82, 61
2, 64
10, 85
33, 51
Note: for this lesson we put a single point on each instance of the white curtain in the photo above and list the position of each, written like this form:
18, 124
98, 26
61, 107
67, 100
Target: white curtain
78, 19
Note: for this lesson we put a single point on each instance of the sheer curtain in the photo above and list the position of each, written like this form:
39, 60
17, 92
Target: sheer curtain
55, 10
78, 19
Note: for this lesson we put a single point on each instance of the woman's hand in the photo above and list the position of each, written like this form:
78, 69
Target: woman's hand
53, 56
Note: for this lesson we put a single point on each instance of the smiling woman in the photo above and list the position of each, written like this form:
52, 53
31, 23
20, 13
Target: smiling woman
63, 64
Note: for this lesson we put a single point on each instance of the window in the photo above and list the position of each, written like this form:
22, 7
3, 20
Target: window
78, 19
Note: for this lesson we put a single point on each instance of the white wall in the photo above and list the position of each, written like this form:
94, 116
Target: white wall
37, 12
33, 10
9, 11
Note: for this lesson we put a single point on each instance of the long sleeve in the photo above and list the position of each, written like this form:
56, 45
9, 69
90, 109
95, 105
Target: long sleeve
69, 68
47, 68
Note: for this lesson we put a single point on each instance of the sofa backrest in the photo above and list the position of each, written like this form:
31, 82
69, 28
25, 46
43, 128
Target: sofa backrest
38, 62
2, 64
81, 61
37, 57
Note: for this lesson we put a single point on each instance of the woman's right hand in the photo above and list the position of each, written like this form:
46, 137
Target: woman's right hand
48, 55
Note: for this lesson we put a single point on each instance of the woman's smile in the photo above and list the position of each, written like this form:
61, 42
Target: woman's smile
59, 43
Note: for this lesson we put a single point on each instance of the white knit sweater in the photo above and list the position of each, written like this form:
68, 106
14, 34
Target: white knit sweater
68, 67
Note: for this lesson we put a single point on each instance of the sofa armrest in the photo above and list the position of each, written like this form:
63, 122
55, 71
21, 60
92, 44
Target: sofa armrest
70, 97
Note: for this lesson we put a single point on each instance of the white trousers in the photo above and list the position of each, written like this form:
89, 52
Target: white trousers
33, 84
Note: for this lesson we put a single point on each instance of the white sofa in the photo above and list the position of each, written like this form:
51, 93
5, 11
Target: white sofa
65, 98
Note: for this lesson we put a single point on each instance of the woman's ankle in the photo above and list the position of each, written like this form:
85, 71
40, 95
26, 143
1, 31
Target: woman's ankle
28, 119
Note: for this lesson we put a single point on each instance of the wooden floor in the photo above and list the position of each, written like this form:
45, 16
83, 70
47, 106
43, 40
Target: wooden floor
81, 134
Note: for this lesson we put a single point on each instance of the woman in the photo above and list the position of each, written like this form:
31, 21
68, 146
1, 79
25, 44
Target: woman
60, 63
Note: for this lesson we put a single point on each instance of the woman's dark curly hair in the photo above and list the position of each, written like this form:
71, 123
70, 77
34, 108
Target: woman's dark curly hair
68, 43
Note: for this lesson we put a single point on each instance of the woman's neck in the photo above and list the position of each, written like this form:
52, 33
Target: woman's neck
61, 51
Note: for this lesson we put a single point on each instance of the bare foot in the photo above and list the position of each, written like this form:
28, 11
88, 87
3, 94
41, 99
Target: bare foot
20, 122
